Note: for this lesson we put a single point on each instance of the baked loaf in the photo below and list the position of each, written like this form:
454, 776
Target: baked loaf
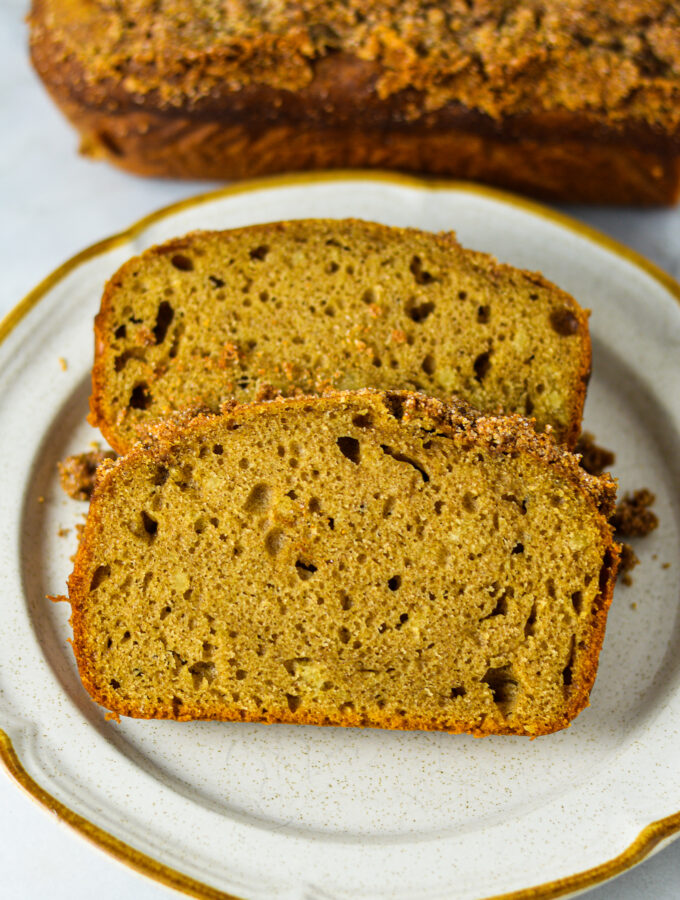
316, 304
576, 101
365, 558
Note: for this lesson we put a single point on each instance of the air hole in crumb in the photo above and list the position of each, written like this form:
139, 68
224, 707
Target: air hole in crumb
502, 685
305, 570
540, 388
530, 622
350, 448
428, 365
120, 332
457, 692
293, 702
563, 322
202, 670
438, 506
165, 612
420, 275
567, 672
483, 314
140, 398
528, 406
332, 268
394, 583
314, 505
101, 573
161, 475
274, 541
362, 420
344, 635
482, 365
182, 262
114, 684
258, 499
388, 506
469, 502
150, 524
518, 548
345, 600
418, 312
401, 457
329, 311
259, 252
368, 296
215, 281
163, 320
218, 449
501, 607
577, 601
240, 674
200, 525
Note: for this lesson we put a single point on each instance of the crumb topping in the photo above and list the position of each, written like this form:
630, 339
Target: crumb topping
600, 57
77, 473
594, 459
633, 516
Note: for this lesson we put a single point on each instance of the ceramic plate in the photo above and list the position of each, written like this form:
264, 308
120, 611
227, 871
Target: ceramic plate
297, 812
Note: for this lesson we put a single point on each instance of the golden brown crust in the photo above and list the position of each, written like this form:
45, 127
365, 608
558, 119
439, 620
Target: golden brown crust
571, 102
497, 434
615, 60
102, 416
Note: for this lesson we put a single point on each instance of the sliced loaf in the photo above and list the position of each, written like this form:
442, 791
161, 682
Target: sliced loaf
309, 305
363, 558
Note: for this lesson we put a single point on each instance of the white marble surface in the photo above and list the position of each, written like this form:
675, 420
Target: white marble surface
52, 204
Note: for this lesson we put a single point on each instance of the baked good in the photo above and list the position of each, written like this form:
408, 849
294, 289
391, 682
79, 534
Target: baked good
575, 101
362, 558
315, 304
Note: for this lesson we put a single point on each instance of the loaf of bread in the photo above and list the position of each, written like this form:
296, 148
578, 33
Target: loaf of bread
308, 305
575, 101
363, 558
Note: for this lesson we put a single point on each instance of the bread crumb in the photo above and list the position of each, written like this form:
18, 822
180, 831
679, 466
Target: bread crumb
41, 499
665, 565
77, 473
63, 532
56, 598
594, 459
63, 364
632, 516
628, 562
112, 717
633, 605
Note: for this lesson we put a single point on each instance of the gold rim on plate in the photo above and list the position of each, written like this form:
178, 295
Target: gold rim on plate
650, 836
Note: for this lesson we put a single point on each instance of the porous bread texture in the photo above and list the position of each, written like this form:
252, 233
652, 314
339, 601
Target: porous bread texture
319, 304
364, 558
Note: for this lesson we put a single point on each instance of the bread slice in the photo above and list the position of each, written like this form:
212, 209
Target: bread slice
362, 558
309, 305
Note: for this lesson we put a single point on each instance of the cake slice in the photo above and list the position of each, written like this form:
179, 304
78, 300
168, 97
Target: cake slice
363, 558
309, 305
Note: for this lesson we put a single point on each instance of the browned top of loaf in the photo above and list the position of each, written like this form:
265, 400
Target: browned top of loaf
614, 58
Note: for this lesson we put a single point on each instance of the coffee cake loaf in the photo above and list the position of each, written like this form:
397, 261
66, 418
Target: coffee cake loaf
570, 101
363, 558
309, 305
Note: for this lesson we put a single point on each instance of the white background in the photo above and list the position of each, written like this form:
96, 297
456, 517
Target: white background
52, 204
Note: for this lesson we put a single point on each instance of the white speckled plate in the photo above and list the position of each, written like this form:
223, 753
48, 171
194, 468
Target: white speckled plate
300, 812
